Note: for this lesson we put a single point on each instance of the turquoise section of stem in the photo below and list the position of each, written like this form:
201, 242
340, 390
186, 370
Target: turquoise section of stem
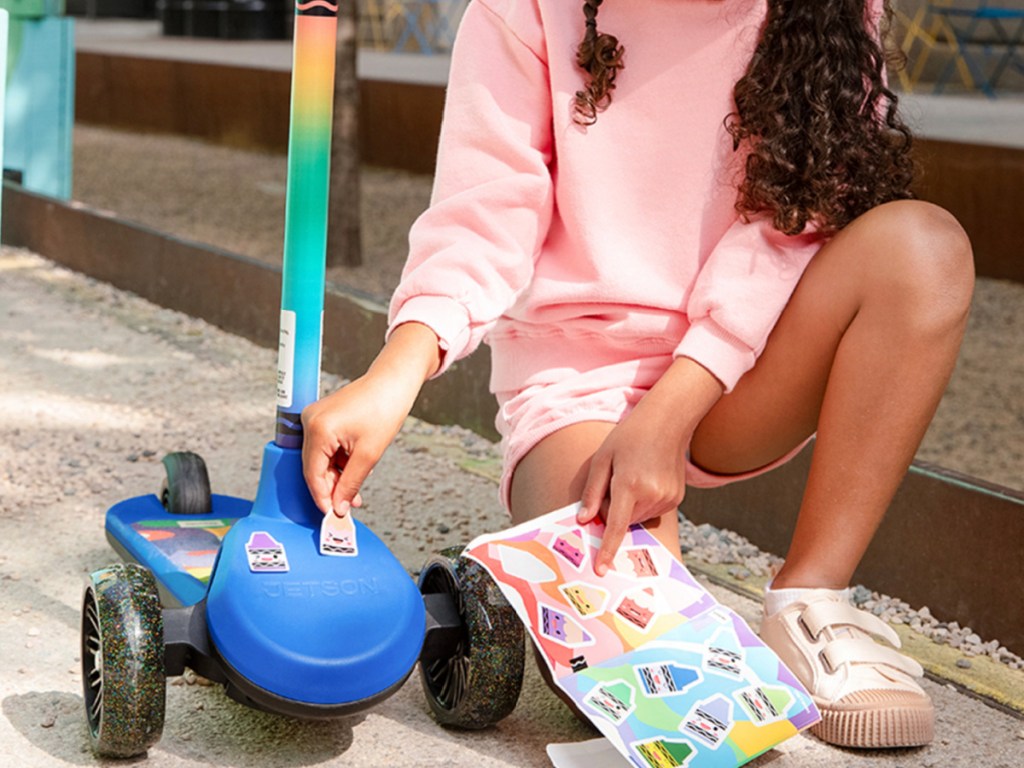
305, 239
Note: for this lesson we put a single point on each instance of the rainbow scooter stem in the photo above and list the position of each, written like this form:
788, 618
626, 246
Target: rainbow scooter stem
305, 225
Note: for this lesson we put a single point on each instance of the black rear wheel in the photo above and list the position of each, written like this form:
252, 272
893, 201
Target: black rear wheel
475, 682
186, 488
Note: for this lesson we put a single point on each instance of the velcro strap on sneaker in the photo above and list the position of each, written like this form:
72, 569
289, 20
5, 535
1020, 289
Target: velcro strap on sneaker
861, 650
830, 613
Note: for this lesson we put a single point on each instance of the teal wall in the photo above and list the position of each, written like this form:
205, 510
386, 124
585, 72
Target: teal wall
39, 110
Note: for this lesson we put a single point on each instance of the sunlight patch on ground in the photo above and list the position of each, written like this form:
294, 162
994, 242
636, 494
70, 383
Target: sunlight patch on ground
32, 410
91, 359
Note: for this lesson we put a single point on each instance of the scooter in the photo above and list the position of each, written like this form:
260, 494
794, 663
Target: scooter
241, 591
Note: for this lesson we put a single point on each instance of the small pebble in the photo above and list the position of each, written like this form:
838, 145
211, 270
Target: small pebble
442, 528
33, 632
48, 721
963, 663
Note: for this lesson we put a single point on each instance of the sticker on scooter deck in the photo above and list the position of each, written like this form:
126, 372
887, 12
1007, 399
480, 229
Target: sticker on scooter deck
191, 545
338, 536
266, 554
180, 550
670, 676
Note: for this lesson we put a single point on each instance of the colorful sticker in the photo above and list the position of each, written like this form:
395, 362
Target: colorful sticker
764, 705
723, 660
570, 546
666, 678
640, 607
338, 536
664, 753
191, 545
561, 628
637, 562
709, 721
266, 554
615, 700
586, 599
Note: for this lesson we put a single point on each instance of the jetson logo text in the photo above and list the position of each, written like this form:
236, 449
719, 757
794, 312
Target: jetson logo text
326, 588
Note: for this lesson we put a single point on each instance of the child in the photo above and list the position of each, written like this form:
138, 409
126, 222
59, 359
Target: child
688, 253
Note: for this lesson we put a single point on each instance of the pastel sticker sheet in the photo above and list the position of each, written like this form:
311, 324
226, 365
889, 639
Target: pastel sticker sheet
670, 676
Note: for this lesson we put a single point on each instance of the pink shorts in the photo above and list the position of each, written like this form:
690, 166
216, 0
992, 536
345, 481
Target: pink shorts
606, 393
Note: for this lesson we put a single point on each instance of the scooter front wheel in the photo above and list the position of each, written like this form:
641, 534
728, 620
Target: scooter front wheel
124, 686
476, 682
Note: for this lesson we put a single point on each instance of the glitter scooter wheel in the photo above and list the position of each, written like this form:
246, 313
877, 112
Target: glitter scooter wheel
123, 679
186, 487
475, 682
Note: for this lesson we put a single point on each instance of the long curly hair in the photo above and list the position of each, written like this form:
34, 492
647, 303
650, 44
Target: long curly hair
823, 138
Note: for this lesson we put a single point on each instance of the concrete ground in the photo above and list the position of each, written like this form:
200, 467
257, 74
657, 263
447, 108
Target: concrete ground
95, 386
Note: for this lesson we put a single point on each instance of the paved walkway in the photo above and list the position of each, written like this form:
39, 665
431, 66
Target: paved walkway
95, 386
975, 119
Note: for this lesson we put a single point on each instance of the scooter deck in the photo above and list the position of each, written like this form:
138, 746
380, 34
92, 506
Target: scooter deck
180, 550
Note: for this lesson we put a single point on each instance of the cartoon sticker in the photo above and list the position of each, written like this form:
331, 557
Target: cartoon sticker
640, 607
266, 554
338, 536
558, 626
709, 721
763, 704
722, 660
666, 678
664, 753
635, 562
615, 700
585, 599
571, 547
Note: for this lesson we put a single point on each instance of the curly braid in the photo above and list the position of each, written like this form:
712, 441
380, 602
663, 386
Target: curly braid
600, 55
825, 142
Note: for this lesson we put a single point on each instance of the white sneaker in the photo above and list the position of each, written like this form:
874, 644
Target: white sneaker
866, 692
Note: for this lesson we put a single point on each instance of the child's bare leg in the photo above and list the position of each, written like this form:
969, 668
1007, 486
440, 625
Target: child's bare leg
552, 475
861, 354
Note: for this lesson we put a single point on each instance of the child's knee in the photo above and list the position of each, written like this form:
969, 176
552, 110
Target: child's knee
922, 262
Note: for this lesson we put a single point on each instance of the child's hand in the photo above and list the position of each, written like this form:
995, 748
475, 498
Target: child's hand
344, 436
346, 433
639, 472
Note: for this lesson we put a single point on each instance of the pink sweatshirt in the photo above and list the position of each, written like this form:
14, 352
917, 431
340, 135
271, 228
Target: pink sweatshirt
544, 237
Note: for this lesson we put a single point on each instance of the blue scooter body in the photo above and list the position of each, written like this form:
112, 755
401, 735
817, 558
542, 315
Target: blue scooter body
328, 637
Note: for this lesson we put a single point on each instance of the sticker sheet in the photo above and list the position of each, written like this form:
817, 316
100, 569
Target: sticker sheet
669, 675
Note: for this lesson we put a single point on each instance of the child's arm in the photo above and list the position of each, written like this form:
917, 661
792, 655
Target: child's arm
739, 294
346, 433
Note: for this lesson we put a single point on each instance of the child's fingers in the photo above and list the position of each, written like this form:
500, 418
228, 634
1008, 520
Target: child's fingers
595, 491
320, 476
616, 527
357, 468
